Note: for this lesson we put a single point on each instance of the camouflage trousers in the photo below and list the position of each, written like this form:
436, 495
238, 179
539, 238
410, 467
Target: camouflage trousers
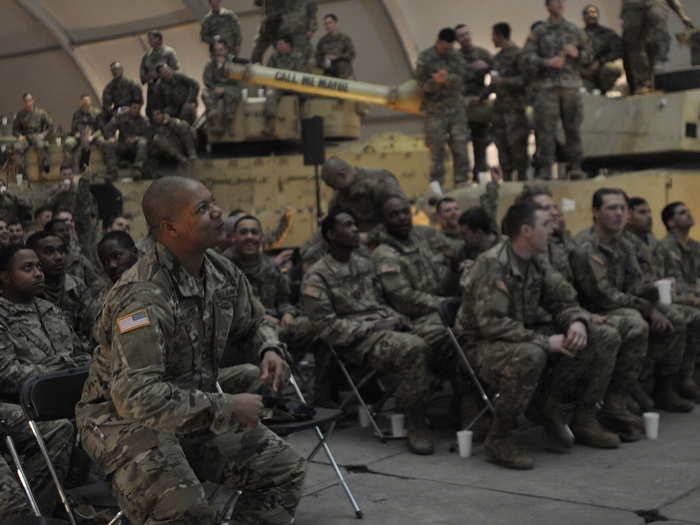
112, 152
516, 369
511, 131
221, 107
442, 358
173, 147
272, 101
554, 105
340, 68
481, 138
449, 128
665, 353
603, 79
73, 150
399, 354
634, 334
164, 484
692, 342
58, 436
646, 42
272, 29
33, 141
186, 112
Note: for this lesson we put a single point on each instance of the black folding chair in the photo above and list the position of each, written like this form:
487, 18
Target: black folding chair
448, 314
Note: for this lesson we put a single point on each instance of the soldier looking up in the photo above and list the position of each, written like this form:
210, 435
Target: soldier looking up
607, 48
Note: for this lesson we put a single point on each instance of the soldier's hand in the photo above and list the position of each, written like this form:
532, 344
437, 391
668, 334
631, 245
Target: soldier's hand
287, 320
576, 337
687, 22
440, 77
274, 370
571, 50
479, 64
659, 322
599, 319
556, 62
556, 345
247, 409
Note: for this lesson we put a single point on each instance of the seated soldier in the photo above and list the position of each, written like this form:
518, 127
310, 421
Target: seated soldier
117, 223
476, 231
132, 145
62, 289
85, 130
518, 317
222, 94
34, 339
31, 127
284, 57
342, 298
176, 94
150, 414
172, 138
16, 231
446, 238
611, 283
76, 263
4, 233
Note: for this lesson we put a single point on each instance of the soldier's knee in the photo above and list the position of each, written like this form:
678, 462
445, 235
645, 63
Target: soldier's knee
183, 506
605, 336
532, 358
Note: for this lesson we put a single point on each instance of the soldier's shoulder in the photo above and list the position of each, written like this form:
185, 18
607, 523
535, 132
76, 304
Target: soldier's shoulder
47, 309
385, 252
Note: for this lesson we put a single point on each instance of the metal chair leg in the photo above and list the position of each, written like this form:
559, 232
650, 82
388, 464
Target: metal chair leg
116, 518
22, 476
471, 371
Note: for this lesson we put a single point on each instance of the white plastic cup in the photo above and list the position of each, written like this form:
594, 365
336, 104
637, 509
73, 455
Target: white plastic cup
435, 187
244, 93
464, 441
398, 425
651, 424
664, 288
363, 416
484, 178
19, 178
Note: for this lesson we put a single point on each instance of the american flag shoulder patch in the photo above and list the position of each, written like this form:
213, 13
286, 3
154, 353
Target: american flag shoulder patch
132, 321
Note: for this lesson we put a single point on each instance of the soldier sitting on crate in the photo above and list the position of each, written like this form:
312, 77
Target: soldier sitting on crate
285, 57
221, 94
172, 138
31, 127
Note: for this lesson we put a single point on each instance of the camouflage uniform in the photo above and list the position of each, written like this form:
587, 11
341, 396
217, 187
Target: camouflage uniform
34, 339
84, 124
342, 301
92, 308
173, 138
171, 96
221, 107
68, 296
148, 73
13, 207
510, 125
473, 89
558, 257
80, 267
446, 117
339, 45
292, 61
129, 128
558, 97
510, 308
30, 125
119, 93
222, 23
150, 415
447, 243
295, 18
607, 48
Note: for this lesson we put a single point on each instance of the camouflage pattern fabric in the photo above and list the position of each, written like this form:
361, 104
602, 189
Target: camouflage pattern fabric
292, 61
295, 18
119, 93
148, 73
177, 96
68, 295
341, 46
222, 23
33, 126
681, 261
221, 95
173, 138
85, 130
134, 133
607, 47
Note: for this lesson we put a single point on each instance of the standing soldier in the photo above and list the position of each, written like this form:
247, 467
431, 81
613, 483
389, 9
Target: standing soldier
158, 54
31, 126
85, 130
221, 24
268, 32
607, 47
335, 50
479, 62
285, 57
296, 18
176, 94
119, 93
172, 138
440, 74
555, 52
134, 133
510, 125
222, 94
646, 39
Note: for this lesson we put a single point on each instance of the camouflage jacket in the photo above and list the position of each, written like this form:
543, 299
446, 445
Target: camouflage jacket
173, 128
269, 284
365, 196
34, 339
558, 258
608, 276
343, 300
223, 23
510, 86
13, 207
439, 98
120, 92
215, 74
92, 308
414, 279
548, 41
128, 127
299, 16
605, 43
31, 122
85, 119
681, 262
447, 243
153, 57
172, 94
338, 44
68, 297
474, 78
161, 337
272, 8
648, 256
293, 61
505, 298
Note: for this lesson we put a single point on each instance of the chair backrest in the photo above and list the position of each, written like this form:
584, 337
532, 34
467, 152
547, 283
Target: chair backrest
53, 396
448, 310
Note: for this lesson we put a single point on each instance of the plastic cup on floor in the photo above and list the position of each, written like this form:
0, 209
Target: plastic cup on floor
363, 416
651, 424
398, 425
464, 441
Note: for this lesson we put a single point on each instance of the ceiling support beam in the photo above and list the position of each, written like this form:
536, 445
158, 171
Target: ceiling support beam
398, 18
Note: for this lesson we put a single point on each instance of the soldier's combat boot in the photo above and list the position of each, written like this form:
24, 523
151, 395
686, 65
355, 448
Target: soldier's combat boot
668, 399
645, 402
616, 416
420, 437
501, 448
688, 389
553, 423
589, 432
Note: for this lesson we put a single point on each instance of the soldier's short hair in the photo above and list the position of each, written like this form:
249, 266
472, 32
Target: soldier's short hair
36, 237
48, 227
517, 216
246, 217
600, 194
477, 219
156, 33
122, 238
535, 25
442, 201
448, 35
114, 64
7, 253
530, 193
669, 212
288, 39
13, 220
41, 210
328, 222
26, 95
332, 16
633, 202
587, 7
503, 29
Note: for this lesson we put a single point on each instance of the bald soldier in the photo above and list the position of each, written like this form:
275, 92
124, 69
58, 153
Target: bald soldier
150, 414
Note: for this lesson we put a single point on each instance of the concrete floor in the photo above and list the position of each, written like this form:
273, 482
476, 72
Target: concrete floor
657, 480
